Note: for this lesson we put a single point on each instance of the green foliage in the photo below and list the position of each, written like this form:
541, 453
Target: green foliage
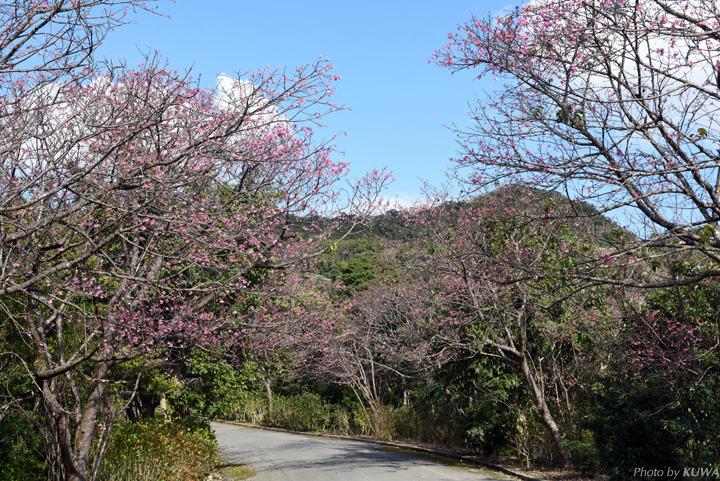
355, 273
251, 407
154, 383
655, 406
702, 408
182, 450
584, 456
469, 402
351, 263
22, 449
437, 423
307, 412
574, 117
694, 374
636, 425
215, 387
583, 217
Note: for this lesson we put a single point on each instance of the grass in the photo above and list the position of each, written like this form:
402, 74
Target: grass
444, 460
236, 472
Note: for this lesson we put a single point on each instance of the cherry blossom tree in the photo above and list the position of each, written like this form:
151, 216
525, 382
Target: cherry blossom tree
54, 38
140, 213
384, 336
497, 269
613, 103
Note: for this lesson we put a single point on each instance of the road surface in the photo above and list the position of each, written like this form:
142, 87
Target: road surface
278, 456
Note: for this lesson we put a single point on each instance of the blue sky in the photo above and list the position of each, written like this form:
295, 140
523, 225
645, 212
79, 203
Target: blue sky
401, 105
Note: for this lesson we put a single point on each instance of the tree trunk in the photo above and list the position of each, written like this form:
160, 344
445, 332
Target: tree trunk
268, 388
547, 417
75, 444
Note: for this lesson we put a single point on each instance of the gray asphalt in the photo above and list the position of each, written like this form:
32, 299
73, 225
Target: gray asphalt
278, 456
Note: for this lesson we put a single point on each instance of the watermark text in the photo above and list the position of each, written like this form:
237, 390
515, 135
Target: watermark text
679, 473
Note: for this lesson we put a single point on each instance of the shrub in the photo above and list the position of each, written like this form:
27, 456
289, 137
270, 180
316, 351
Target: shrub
429, 423
584, 456
305, 412
243, 406
635, 427
154, 450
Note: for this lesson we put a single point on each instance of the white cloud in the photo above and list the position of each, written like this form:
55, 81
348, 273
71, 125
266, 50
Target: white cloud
235, 93
402, 200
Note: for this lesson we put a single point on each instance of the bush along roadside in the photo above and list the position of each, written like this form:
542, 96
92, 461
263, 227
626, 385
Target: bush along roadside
157, 450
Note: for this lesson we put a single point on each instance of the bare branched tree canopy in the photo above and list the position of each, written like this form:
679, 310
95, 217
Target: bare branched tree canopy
613, 103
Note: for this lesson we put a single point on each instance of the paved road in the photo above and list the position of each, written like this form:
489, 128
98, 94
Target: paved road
277, 456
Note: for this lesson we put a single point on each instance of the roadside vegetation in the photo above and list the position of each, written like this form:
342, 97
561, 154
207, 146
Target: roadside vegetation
158, 450
614, 367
